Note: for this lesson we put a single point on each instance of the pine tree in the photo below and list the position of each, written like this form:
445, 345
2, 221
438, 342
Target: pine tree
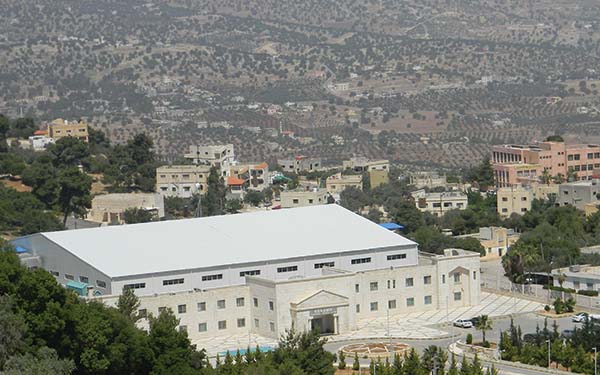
342, 360
356, 363
397, 368
476, 367
465, 369
453, 370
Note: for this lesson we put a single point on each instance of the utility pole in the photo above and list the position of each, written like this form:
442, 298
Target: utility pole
549, 355
595, 361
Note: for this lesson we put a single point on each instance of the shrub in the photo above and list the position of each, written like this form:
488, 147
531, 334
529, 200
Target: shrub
486, 344
342, 361
590, 293
546, 308
469, 339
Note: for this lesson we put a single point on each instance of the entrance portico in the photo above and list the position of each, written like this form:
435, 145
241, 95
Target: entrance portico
323, 311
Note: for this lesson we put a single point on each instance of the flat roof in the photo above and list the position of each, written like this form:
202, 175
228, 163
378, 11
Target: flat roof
137, 249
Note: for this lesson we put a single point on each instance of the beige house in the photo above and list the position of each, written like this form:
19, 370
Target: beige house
362, 164
299, 164
60, 128
109, 208
182, 181
378, 177
496, 241
301, 198
219, 156
513, 200
438, 204
338, 182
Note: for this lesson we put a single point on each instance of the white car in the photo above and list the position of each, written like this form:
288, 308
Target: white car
463, 323
579, 318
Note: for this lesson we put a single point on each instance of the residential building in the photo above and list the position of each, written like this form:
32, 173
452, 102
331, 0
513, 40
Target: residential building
299, 164
578, 277
579, 193
427, 179
257, 175
219, 156
236, 187
378, 177
182, 181
303, 197
362, 164
323, 268
522, 164
337, 183
513, 200
39, 142
60, 128
110, 208
496, 241
438, 204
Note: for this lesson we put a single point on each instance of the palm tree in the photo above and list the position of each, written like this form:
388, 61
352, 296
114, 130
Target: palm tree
546, 177
484, 324
559, 179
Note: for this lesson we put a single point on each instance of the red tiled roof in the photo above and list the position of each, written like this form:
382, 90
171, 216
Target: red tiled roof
235, 181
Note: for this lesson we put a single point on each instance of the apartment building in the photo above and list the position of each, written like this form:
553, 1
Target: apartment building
299, 164
60, 128
256, 174
337, 183
303, 197
182, 181
523, 164
219, 156
496, 241
378, 177
110, 208
513, 200
427, 179
362, 164
438, 204
579, 193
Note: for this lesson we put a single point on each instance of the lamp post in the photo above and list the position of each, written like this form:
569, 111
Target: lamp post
549, 360
595, 361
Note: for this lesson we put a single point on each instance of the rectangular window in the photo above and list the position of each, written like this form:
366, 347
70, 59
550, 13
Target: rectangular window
181, 309
255, 300
222, 324
410, 282
295, 201
240, 302
396, 256
457, 296
250, 273
241, 323
201, 306
84, 279
392, 304
374, 306
221, 304
427, 280
456, 277
173, 282
182, 328
271, 306
410, 302
570, 157
101, 283
324, 264
357, 308
161, 309
360, 260
427, 300
54, 273
287, 269
474, 275
590, 155
443, 279
69, 277
212, 277
256, 323
373, 286
143, 313
202, 327
272, 326
134, 286
356, 288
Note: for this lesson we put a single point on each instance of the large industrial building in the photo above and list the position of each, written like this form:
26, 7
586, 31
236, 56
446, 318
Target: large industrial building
311, 267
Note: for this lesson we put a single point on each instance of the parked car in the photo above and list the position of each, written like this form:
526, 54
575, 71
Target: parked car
567, 333
580, 317
475, 320
463, 323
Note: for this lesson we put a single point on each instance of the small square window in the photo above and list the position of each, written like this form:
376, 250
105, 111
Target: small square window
410, 302
222, 324
221, 304
202, 327
374, 306
392, 304
201, 306
255, 300
427, 300
373, 286
84, 279
142, 313
239, 302
427, 280
457, 296
241, 323
181, 309
410, 282
456, 277
183, 329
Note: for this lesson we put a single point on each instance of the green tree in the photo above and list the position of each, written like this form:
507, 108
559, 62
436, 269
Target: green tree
342, 361
254, 197
453, 369
74, 196
68, 152
12, 330
213, 201
233, 206
304, 350
138, 215
43, 179
44, 362
356, 363
128, 305
484, 324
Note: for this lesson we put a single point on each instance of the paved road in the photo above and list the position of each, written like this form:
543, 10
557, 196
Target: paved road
528, 323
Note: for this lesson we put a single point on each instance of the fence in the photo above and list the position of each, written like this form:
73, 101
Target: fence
539, 294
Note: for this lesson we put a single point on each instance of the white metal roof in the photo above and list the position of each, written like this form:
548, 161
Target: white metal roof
222, 240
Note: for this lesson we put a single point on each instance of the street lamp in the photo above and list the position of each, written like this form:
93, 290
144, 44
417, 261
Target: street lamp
595, 361
549, 361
